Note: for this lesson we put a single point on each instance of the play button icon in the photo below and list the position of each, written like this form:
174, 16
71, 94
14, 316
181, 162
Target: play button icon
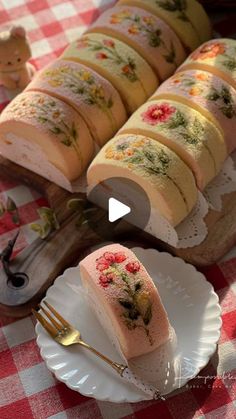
126, 205
117, 210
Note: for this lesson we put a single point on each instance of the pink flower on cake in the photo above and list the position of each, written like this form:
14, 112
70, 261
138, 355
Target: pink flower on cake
109, 256
158, 113
109, 43
101, 56
208, 51
132, 267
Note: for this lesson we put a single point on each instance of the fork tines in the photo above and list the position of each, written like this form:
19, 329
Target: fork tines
54, 326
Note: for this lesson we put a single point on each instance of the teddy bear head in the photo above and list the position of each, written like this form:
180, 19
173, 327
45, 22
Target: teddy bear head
14, 49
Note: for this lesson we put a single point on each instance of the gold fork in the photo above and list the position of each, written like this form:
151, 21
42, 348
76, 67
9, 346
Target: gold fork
65, 334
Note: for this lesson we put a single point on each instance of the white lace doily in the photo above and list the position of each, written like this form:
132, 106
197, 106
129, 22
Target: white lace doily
222, 184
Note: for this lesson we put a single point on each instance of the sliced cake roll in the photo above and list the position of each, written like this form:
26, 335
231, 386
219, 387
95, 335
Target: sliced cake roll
186, 17
186, 131
210, 95
126, 70
217, 56
125, 300
45, 135
150, 36
167, 180
91, 95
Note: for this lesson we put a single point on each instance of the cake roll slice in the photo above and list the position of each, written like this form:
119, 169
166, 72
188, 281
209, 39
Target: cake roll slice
150, 36
167, 180
187, 18
91, 95
125, 69
217, 56
45, 135
184, 130
125, 300
210, 95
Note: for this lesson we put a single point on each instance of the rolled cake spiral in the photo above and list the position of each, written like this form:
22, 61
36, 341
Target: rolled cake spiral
150, 36
37, 129
126, 70
125, 300
91, 95
217, 56
208, 94
186, 17
184, 130
167, 180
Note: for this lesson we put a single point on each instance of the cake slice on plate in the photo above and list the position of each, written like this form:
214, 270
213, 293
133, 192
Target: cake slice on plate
125, 300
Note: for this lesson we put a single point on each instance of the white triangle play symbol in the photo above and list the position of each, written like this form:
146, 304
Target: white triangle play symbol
117, 209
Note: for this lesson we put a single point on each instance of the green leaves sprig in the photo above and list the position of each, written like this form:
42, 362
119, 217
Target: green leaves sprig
11, 208
48, 223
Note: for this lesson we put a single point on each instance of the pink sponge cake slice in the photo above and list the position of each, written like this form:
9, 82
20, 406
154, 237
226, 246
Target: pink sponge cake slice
185, 131
208, 94
150, 36
35, 124
115, 61
127, 299
217, 56
91, 95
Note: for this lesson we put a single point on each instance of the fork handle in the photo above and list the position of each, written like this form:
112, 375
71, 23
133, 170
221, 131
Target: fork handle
125, 372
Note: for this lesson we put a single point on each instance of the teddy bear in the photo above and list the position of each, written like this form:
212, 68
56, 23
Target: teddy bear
15, 72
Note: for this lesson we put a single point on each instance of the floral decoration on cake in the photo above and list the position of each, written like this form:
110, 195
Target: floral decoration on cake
115, 271
165, 116
106, 50
179, 6
147, 26
142, 155
220, 50
82, 83
47, 112
201, 84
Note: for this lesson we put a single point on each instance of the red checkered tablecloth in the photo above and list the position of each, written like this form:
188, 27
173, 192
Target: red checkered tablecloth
27, 388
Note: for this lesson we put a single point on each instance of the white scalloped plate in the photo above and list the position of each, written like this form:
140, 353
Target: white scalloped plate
193, 310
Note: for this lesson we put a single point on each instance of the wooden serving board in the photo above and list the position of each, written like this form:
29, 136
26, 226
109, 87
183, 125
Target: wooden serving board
44, 260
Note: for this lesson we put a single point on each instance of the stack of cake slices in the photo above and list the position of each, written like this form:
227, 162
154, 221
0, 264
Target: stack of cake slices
79, 101
177, 142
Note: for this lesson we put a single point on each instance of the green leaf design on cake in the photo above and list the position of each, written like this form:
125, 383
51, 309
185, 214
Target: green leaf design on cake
175, 6
82, 83
142, 155
147, 26
106, 50
224, 100
47, 113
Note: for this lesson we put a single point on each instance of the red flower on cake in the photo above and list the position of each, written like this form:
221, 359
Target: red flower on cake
120, 257
127, 69
132, 267
208, 51
108, 258
101, 56
105, 280
109, 43
158, 113
102, 264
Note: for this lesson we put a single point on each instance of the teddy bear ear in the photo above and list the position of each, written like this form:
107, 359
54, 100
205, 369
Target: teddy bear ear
18, 31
